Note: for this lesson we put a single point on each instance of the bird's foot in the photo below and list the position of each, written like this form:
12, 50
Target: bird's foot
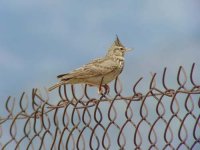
105, 91
107, 88
100, 90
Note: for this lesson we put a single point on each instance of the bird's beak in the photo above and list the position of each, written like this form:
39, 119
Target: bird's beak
128, 49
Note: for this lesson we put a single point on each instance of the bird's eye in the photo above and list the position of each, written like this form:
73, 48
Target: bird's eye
121, 48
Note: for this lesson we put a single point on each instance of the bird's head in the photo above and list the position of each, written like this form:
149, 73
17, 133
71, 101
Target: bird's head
117, 49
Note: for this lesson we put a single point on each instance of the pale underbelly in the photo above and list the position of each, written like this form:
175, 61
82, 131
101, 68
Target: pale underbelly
98, 79
104, 79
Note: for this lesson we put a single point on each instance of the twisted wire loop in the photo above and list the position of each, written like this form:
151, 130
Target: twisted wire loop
77, 117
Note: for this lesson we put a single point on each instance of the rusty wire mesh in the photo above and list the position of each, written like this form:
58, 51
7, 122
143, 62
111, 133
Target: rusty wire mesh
76, 118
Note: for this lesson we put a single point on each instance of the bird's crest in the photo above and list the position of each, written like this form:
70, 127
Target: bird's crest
117, 42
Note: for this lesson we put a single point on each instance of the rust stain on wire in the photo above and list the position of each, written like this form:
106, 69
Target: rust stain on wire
160, 118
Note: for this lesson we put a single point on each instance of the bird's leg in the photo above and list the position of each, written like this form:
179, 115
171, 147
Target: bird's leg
100, 91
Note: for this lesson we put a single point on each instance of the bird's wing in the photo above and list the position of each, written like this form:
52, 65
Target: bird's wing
94, 68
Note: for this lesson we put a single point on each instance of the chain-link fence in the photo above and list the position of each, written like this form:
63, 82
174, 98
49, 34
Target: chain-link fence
79, 118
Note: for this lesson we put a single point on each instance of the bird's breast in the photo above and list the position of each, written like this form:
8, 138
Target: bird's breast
119, 61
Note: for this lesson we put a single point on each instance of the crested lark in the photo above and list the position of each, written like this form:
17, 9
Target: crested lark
98, 72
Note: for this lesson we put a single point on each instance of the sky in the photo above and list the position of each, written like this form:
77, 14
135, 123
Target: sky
40, 39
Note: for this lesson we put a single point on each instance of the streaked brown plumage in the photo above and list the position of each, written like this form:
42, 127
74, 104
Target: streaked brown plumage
99, 71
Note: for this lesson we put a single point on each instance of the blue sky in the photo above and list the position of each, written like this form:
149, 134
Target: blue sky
41, 39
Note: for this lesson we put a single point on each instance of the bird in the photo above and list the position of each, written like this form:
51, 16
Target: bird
99, 72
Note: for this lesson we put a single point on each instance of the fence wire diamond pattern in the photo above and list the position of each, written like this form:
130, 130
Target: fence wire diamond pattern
76, 118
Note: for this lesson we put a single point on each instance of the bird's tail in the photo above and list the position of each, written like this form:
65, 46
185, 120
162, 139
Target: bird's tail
56, 86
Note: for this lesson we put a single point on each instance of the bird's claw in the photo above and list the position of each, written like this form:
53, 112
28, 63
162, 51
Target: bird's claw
107, 88
101, 91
